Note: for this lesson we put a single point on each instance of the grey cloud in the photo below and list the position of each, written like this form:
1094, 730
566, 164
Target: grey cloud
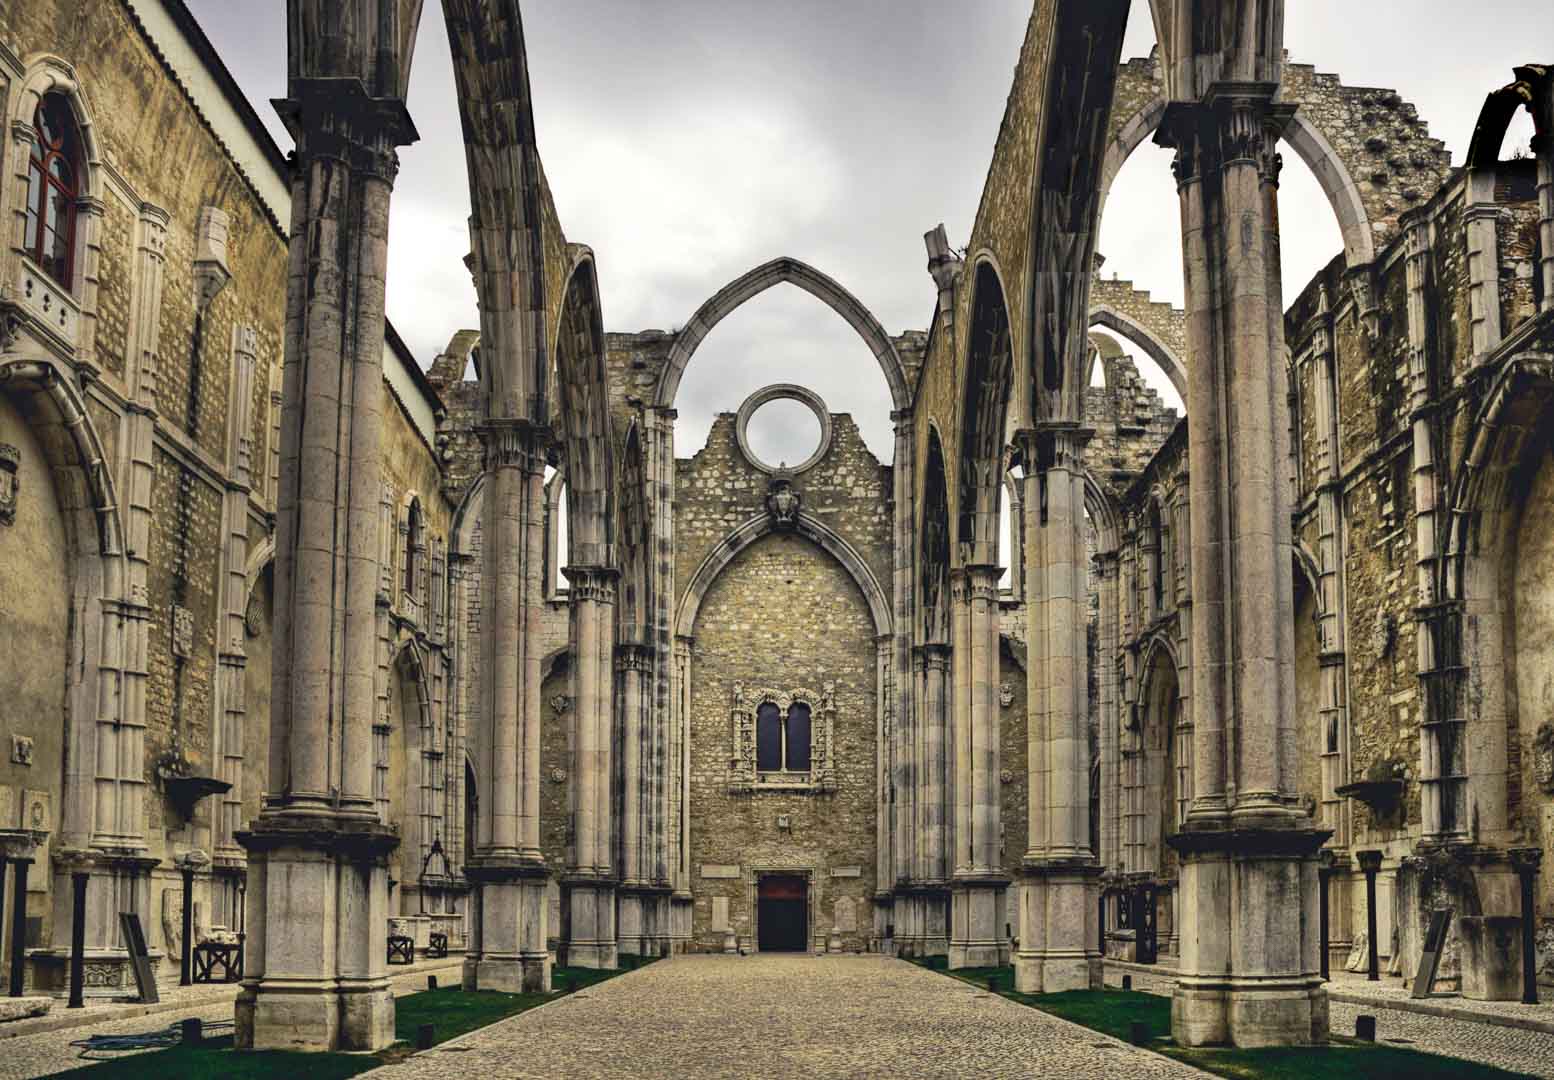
688, 141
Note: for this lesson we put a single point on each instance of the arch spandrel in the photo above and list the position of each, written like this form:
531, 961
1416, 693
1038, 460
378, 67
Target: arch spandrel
1384, 164
747, 287
810, 528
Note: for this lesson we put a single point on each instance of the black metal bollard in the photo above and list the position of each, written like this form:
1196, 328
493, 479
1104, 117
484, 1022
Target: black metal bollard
193, 1032
19, 927
1127, 982
1370, 862
425, 1036
431, 982
1526, 861
1365, 1028
78, 884
186, 951
993, 984
1138, 1032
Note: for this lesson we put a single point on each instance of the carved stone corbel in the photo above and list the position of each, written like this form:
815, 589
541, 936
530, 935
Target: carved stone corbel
1362, 287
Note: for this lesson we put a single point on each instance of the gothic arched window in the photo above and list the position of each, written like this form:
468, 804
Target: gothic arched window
768, 737
415, 543
53, 188
782, 739
796, 738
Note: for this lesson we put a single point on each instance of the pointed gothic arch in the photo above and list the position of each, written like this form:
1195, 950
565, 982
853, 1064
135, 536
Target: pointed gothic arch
746, 288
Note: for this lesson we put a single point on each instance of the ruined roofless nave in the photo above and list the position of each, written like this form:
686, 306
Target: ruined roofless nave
463, 645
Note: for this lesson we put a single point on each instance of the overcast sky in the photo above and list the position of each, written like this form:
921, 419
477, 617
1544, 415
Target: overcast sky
688, 141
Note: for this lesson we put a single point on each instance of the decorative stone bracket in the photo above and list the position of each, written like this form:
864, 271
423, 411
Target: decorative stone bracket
745, 778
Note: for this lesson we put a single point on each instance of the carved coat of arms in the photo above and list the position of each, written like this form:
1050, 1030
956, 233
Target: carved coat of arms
10, 462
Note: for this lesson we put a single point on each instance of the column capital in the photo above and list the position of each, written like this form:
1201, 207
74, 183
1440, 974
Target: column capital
1053, 444
983, 580
634, 656
515, 444
934, 655
337, 118
595, 583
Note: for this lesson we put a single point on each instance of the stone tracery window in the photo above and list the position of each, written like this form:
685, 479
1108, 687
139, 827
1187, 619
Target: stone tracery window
782, 740
53, 188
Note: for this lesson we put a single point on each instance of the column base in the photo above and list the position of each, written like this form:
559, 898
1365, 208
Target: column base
316, 961
1248, 923
1060, 928
591, 940
507, 951
644, 920
680, 911
978, 922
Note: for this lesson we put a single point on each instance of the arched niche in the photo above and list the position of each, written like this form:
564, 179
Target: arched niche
1496, 573
989, 377
934, 550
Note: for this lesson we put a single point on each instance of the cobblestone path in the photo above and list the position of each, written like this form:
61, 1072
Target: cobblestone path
1514, 1049
731, 1016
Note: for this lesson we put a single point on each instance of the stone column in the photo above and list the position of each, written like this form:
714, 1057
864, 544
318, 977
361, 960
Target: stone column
1481, 216
118, 806
234, 601
315, 973
641, 920
1330, 570
934, 867
1247, 849
1110, 855
1059, 930
977, 913
589, 883
508, 950
680, 722
1543, 147
899, 855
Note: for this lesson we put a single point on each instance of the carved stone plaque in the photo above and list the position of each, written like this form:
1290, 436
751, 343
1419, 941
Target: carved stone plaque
183, 632
845, 917
21, 749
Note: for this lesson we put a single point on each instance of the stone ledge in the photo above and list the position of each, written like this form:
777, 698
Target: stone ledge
1370, 1001
21, 1008
1445, 1012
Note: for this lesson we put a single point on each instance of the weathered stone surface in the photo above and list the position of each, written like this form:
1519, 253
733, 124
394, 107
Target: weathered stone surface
22, 1007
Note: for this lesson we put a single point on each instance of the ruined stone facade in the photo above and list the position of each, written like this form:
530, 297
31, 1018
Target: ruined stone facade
140, 399
1307, 620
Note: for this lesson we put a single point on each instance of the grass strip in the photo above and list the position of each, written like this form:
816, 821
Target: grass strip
1113, 1012
450, 1010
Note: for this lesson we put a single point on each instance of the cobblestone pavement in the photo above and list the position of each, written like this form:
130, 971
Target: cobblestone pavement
28, 1056
810, 1016
1527, 1052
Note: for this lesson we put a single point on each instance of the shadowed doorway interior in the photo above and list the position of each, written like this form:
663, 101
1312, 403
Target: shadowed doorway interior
783, 914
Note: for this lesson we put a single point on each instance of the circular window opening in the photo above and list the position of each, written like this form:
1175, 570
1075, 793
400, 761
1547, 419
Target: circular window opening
783, 433
783, 427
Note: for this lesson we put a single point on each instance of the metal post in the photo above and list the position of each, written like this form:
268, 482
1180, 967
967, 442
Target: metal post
3, 863
187, 949
1526, 861
78, 882
1370, 862
1324, 878
19, 927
